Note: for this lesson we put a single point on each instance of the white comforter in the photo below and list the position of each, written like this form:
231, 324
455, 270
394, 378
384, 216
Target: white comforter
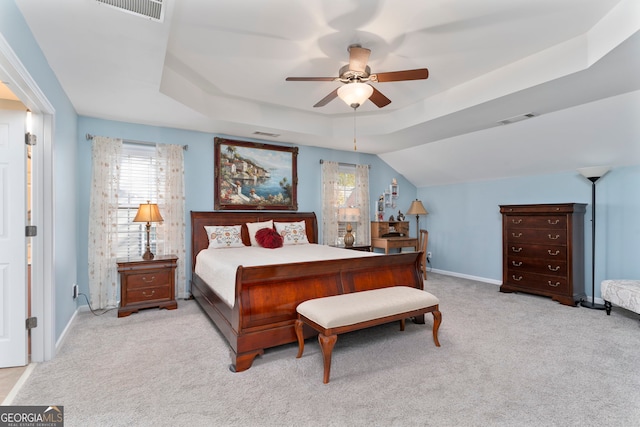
217, 267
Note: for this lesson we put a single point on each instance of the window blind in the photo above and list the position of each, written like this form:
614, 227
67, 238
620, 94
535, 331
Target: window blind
139, 183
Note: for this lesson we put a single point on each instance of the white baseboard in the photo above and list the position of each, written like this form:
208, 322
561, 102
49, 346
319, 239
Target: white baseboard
467, 276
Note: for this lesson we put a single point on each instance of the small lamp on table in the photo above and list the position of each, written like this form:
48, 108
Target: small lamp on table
348, 214
148, 212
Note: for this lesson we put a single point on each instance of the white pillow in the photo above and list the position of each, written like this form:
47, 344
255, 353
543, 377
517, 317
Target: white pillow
253, 228
224, 236
293, 233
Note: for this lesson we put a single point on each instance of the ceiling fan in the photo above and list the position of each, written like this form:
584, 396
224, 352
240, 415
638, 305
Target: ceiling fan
356, 74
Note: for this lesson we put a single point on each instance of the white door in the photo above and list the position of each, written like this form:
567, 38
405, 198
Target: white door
13, 253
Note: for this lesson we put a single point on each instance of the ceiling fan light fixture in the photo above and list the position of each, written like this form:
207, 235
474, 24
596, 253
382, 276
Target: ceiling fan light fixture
355, 94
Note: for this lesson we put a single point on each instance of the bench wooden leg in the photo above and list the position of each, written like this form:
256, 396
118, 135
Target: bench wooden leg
300, 335
326, 344
437, 319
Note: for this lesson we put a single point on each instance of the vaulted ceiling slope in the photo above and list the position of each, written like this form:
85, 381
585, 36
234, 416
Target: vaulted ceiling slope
220, 66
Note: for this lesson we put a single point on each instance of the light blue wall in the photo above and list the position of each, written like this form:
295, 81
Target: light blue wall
465, 225
15, 31
199, 174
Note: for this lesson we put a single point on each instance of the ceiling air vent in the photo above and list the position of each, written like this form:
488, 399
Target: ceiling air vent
272, 135
518, 118
151, 9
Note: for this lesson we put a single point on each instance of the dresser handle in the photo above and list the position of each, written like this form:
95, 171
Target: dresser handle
517, 264
514, 234
148, 296
554, 238
553, 222
144, 279
517, 279
513, 248
553, 253
518, 221
553, 269
555, 285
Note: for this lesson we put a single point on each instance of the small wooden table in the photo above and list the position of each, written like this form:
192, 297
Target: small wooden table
387, 243
145, 284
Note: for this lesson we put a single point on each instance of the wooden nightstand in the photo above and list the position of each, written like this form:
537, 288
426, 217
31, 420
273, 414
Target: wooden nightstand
146, 284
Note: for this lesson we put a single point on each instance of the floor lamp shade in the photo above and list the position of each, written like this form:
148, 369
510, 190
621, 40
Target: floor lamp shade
148, 212
593, 174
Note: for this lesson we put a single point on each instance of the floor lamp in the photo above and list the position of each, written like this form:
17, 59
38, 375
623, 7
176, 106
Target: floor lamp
417, 209
593, 174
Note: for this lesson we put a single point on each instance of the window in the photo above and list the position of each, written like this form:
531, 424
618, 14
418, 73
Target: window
348, 211
139, 182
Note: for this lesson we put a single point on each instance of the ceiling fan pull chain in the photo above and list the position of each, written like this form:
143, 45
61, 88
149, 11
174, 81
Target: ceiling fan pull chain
354, 130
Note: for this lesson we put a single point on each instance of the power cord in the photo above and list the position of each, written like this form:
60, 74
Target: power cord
94, 312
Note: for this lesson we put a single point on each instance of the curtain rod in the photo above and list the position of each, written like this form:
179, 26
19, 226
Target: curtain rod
344, 164
131, 141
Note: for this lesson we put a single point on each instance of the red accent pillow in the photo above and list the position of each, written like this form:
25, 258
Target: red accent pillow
269, 238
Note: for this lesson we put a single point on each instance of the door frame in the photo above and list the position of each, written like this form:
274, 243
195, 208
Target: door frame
21, 83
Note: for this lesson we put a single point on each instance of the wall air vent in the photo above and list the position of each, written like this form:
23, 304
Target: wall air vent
151, 9
518, 118
272, 135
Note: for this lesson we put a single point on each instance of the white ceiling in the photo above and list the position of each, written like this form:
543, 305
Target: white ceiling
219, 66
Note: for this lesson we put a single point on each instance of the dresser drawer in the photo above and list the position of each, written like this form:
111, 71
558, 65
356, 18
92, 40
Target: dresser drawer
538, 265
157, 293
148, 279
540, 282
554, 222
531, 235
536, 251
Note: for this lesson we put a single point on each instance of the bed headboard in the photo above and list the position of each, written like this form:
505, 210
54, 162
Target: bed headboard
199, 239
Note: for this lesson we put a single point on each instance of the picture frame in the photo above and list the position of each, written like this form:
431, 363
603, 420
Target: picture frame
254, 176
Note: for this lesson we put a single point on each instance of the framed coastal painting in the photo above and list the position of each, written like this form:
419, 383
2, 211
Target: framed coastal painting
251, 175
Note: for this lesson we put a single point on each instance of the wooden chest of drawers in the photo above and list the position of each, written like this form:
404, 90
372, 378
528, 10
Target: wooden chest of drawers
145, 284
543, 250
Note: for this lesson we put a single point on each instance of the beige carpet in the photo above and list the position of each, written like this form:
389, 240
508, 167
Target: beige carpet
505, 360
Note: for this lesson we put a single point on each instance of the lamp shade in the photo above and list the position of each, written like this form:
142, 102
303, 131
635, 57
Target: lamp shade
594, 173
354, 94
417, 208
348, 214
148, 212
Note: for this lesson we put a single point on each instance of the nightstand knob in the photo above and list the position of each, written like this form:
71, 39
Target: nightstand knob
144, 279
144, 293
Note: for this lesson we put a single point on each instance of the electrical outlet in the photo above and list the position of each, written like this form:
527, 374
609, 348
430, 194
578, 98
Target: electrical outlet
428, 254
75, 291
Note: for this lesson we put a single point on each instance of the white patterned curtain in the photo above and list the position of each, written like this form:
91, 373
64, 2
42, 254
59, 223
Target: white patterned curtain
362, 197
171, 232
330, 203
103, 222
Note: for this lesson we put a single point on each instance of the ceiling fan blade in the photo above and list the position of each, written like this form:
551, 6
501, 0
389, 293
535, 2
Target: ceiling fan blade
396, 76
311, 79
378, 98
324, 101
358, 58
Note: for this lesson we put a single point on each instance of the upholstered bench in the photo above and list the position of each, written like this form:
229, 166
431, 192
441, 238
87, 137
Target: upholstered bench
338, 314
623, 293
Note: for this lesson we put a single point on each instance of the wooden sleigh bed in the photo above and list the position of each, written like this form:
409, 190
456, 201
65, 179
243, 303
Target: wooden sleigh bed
266, 297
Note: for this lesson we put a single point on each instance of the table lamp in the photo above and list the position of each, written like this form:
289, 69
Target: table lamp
417, 209
347, 215
148, 212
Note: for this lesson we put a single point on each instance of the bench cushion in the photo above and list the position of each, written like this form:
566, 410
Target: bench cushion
356, 307
623, 293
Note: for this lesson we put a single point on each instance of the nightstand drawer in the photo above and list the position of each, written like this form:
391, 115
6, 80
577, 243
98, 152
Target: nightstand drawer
149, 294
148, 279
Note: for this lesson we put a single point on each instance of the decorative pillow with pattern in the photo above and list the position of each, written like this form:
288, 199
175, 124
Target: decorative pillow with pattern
253, 228
224, 236
293, 233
